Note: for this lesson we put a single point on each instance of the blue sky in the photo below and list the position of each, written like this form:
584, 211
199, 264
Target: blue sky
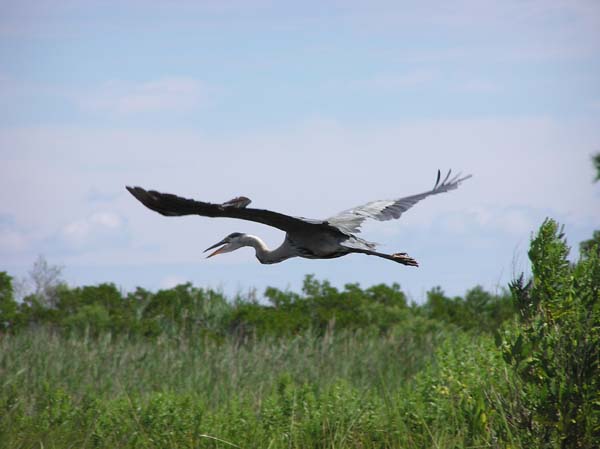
306, 108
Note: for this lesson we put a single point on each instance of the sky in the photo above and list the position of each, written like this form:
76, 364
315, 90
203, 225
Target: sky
308, 108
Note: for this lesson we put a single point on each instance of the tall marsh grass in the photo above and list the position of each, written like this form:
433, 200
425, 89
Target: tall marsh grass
410, 388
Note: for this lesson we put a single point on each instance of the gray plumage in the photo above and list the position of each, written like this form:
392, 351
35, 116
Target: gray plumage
308, 238
350, 220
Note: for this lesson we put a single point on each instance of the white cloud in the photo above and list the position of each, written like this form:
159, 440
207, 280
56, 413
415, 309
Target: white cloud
167, 94
97, 229
100, 196
538, 163
175, 94
13, 239
516, 221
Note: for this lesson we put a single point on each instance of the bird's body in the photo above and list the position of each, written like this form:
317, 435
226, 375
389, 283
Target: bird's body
311, 239
325, 248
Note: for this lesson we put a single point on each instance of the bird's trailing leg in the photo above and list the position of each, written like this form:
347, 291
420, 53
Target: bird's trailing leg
402, 258
405, 259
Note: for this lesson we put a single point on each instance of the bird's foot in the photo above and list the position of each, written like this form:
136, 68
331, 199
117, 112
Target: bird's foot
405, 259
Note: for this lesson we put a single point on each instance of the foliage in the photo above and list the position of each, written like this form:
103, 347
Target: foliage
417, 387
8, 305
188, 311
478, 311
46, 281
555, 347
323, 368
587, 245
596, 161
320, 307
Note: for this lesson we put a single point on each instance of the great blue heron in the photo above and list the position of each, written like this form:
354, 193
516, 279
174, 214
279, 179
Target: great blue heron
312, 239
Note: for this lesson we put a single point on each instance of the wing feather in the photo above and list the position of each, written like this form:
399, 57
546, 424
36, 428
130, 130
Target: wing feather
349, 221
172, 205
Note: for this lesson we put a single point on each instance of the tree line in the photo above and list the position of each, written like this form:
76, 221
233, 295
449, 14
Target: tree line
192, 311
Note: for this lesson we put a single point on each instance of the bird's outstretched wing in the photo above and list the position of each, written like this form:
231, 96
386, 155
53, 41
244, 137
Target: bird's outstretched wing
173, 205
349, 221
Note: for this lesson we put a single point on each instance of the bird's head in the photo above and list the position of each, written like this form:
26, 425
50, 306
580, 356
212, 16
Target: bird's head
230, 243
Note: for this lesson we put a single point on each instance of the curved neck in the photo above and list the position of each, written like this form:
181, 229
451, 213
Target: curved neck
263, 253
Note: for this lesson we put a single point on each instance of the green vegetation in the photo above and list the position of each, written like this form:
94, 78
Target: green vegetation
323, 368
596, 162
556, 348
189, 312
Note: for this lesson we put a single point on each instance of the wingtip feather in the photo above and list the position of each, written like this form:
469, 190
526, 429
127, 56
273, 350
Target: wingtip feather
437, 181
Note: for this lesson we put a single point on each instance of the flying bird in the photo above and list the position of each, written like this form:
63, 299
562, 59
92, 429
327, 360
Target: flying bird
311, 239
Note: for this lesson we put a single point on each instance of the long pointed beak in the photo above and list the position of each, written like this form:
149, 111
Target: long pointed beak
214, 253
222, 242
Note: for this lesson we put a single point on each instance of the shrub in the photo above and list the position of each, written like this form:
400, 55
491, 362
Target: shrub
555, 346
8, 305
